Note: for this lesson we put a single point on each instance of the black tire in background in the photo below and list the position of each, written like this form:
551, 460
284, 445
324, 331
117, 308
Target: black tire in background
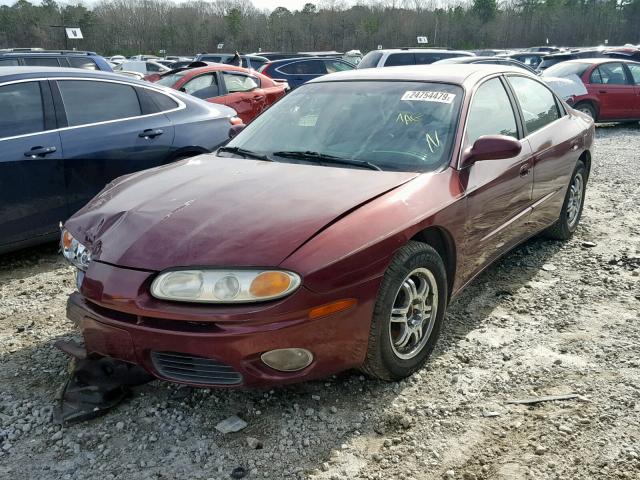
588, 108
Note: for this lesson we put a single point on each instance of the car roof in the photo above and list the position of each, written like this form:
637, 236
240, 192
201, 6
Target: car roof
458, 74
214, 67
18, 73
422, 50
599, 60
39, 53
296, 59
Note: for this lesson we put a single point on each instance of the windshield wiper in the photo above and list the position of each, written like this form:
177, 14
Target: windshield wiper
323, 157
245, 153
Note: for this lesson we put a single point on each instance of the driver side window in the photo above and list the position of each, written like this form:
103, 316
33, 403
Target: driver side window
203, 86
239, 83
490, 113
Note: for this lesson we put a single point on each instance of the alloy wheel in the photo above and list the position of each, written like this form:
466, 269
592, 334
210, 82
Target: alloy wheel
576, 192
413, 314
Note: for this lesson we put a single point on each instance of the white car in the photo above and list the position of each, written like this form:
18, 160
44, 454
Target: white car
407, 56
144, 67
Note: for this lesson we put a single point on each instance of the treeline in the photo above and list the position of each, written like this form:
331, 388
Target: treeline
148, 26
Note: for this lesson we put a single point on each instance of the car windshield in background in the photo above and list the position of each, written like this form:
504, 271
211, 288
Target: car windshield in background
401, 126
565, 69
171, 79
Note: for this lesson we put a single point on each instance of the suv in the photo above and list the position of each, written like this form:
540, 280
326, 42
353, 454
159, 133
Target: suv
296, 71
407, 56
34, 57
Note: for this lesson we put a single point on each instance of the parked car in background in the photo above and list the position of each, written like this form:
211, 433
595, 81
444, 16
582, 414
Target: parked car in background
253, 62
531, 59
332, 232
494, 60
246, 91
53, 58
545, 49
612, 87
297, 71
145, 67
65, 133
626, 53
407, 56
553, 59
143, 57
117, 59
490, 52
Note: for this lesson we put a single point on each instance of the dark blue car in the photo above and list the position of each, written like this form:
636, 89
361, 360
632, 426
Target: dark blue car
65, 133
36, 57
297, 71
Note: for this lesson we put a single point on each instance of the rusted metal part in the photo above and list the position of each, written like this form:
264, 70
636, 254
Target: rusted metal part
96, 384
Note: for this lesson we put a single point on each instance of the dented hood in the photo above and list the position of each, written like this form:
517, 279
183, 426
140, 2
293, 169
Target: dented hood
214, 211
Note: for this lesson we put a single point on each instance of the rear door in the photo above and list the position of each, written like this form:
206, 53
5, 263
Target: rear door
498, 191
556, 142
32, 188
109, 133
243, 94
610, 83
634, 73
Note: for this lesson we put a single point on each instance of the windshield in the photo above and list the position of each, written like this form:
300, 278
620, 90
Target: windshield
394, 125
171, 79
565, 69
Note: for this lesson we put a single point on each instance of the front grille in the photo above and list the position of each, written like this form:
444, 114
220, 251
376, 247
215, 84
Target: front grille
189, 369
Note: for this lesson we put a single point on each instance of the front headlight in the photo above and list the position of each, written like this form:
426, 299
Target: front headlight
224, 286
75, 252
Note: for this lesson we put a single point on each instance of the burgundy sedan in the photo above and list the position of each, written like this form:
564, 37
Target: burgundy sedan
612, 87
332, 232
246, 91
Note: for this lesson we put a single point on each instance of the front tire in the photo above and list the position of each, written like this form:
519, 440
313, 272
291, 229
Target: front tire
408, 314
572, 207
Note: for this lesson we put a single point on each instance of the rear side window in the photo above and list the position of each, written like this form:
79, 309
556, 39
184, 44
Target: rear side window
211, 58
595, 76
202, 86
161, 101
305, 67
21, 107
9, 62
335, 66
397, 59
154, 67
239, 83
256, 63
91, 102
370, 60
84, 63
41, 62
490, 113
538, 104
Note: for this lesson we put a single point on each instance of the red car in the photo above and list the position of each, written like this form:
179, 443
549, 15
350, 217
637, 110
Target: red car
246, 91
612, 87
332, 232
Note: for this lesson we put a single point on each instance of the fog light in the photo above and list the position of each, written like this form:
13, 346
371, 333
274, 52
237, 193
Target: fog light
288, 359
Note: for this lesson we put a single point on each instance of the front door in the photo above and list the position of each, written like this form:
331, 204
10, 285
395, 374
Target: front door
107, 136
244, 94
32, 188
614, 90
498, 191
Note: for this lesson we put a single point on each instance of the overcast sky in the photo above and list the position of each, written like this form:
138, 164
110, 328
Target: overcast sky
261, 4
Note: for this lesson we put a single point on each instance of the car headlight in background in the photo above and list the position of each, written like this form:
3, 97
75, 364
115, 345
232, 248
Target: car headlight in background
75, 252
224, 286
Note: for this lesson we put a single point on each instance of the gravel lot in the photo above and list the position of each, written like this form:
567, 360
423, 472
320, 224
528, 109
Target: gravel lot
550, 318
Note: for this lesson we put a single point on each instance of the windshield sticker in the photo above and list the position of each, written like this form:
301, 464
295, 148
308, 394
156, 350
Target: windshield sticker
432, 141
308, 121
422, 96
408, 118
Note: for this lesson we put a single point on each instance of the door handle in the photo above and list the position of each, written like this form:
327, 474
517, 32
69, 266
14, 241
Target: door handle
525, 169
602, 91
36, 152
151, 133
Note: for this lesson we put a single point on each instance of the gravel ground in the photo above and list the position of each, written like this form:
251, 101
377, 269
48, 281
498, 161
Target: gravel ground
550, 318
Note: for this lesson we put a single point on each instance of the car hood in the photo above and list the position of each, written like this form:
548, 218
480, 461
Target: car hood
217, 211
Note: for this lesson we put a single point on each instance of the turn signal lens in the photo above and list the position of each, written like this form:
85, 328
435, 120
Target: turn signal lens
235, 121
66, 240
333, 307
270, 284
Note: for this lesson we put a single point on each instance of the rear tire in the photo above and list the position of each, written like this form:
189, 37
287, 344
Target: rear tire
571, 211
589, 109
408, 314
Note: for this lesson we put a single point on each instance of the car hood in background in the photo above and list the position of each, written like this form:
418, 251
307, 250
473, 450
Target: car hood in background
566, 87
214, 211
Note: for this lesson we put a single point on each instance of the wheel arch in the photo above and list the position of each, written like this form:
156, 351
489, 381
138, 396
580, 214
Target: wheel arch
586, 159
189, 151
442, 241
590, 101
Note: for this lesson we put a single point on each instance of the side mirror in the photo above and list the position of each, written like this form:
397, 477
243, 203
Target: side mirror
235, 130
491, 147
